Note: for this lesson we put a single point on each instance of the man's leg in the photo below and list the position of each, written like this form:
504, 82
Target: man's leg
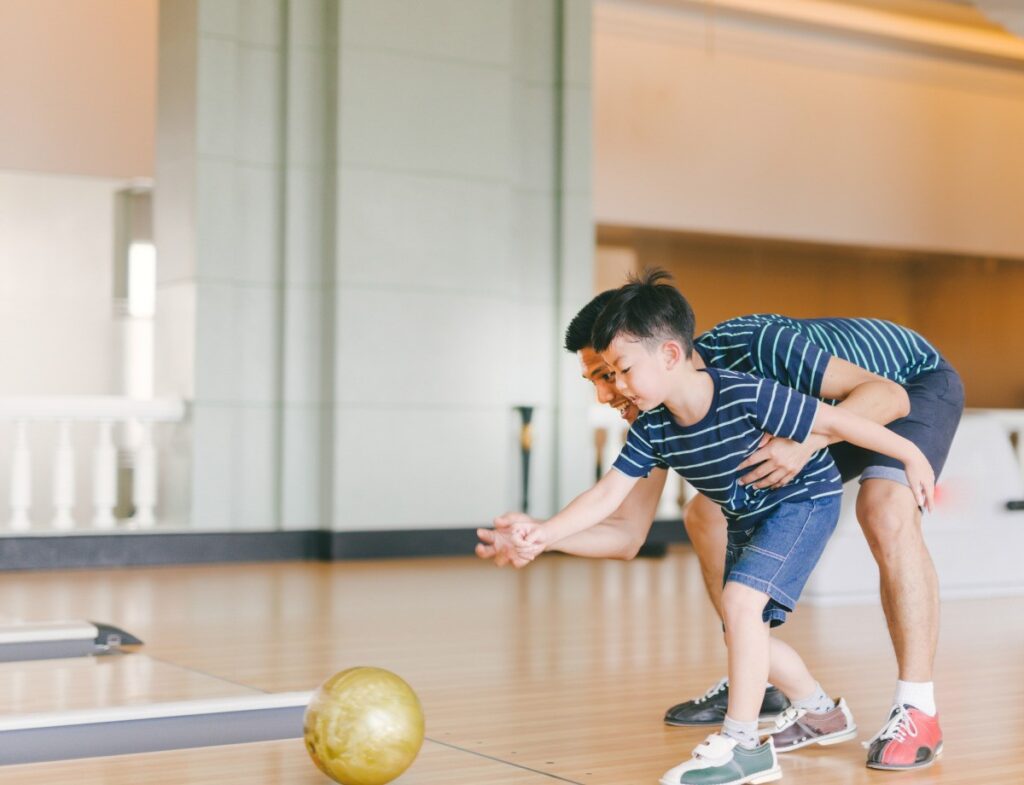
706, 528
909, 586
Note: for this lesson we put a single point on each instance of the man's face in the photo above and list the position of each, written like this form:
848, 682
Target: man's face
640, 373
596, 371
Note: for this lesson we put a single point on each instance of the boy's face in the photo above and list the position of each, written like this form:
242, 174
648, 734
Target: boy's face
596, 371
641, 375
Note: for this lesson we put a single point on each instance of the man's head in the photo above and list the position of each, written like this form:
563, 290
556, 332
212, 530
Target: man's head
594, 368
645, 335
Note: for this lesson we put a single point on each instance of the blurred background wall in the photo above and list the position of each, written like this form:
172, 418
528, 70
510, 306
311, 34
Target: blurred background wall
374, 218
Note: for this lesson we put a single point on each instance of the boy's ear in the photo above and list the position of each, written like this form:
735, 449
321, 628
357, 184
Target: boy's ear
672, 352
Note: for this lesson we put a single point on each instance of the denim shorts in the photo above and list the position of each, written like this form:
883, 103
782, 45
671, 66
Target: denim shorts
777, 555
936, 403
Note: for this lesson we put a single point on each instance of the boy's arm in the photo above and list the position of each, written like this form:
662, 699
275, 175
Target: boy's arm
586, 510
619, 536
837, 424
858, 391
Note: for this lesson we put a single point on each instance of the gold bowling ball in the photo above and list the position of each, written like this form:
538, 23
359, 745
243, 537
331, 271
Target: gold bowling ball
364, 726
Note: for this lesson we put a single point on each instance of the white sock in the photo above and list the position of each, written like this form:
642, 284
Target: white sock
919, 694
817, 702
745, 733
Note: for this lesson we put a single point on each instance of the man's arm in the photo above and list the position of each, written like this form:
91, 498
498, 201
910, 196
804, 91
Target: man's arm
619, 536
863, 393
858, 391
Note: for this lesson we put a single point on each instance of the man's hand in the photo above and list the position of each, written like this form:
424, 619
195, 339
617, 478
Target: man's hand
496, 545
777, 461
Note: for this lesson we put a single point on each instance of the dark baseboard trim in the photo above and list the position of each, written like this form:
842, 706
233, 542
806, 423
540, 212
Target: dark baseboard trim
161, 549
157, 549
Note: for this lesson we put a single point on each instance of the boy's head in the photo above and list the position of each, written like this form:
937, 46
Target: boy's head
645, 335
648, 309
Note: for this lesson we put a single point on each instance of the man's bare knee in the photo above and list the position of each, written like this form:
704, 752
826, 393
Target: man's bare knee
888, 515
702, 518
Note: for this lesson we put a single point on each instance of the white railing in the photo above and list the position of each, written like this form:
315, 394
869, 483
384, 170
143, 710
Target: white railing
105, 412
1013, 421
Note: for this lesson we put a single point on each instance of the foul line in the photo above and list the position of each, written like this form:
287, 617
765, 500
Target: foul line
502, 760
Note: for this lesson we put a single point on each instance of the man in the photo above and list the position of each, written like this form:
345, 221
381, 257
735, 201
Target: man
877, 370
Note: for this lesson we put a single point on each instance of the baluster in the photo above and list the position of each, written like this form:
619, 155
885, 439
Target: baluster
144, 479
1020, 449
21, 479
63, 479
104, 478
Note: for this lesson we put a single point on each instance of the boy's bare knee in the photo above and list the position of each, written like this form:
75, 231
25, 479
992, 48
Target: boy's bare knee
741, 603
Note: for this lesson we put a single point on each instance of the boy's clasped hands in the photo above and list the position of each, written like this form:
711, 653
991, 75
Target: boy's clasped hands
521, 535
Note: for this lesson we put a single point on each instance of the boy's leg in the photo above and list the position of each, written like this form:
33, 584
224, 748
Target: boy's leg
746, 635
736, 755
814, 717
788, 671
707, 531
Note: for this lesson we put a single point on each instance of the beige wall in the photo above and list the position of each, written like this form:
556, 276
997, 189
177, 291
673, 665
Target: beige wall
77, 86
968, 307
760, 127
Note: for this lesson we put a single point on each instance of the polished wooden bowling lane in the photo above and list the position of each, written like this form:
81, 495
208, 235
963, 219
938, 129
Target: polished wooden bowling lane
104, 682
267, 763
560, 672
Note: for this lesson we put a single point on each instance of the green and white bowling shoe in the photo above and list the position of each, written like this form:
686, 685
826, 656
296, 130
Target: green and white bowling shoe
718, 760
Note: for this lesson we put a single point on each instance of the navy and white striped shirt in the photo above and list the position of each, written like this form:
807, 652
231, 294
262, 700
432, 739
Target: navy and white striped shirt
708, 452
795, 352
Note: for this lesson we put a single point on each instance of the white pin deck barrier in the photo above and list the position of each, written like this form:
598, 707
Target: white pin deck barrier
120, 730
49, 640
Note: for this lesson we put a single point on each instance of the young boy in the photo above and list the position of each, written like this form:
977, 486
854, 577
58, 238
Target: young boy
702, 424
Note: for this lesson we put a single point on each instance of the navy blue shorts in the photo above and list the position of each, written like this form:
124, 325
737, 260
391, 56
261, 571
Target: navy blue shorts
777, 555
936, 403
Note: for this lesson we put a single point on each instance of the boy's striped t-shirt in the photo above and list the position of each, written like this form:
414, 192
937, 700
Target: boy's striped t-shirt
708, 452
796, 352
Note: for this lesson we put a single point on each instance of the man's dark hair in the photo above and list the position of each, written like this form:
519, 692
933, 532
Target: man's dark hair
577, 334
648, 308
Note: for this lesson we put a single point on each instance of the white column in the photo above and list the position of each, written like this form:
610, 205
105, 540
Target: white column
144, 485
63, 479
21, 480
104, 478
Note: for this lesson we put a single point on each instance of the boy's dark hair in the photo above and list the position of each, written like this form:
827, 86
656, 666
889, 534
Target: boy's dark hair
648, 308
577, 334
